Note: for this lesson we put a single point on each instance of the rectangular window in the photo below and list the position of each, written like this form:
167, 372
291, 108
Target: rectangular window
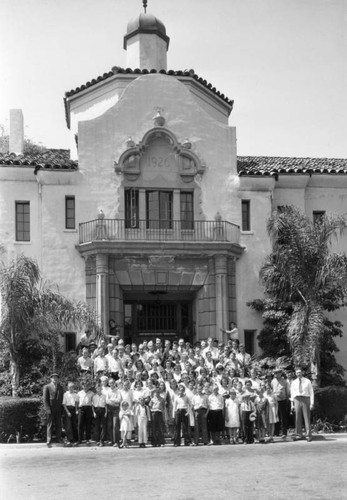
318, 215
70, 341
187, 210
70, 212
250, 341
22, 221
246, 215
131, 208
159, 209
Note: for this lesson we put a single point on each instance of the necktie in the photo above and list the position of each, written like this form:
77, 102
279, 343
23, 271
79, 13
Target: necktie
300, 386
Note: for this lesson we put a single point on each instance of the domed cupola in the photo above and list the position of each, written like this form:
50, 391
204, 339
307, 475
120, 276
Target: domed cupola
146, 42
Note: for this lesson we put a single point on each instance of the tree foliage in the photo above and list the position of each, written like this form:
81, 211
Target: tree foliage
302, 279
29, 147
33, 311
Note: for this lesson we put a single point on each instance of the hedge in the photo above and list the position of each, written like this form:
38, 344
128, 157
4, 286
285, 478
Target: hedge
331, 403
19, 415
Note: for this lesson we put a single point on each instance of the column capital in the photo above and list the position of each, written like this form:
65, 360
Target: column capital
101, 263
220, 262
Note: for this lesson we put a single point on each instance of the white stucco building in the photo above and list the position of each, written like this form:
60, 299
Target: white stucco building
152, 217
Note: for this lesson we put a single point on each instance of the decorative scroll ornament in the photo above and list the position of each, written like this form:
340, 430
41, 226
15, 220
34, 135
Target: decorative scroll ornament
187, 163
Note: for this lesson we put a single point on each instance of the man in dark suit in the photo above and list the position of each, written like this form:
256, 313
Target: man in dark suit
53, 404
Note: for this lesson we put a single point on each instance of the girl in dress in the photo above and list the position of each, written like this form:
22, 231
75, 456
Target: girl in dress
232, 416
273, 411
126, 425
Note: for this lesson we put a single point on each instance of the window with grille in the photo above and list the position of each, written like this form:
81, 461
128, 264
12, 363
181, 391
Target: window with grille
131, 208
246, 215
22, 221
187, 210
159, 209
156, 317
70, 212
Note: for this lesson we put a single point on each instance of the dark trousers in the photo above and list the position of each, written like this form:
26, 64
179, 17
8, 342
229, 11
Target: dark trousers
181, 423
54, 422
157, 428
247, 427
100, 424
200, 428
71, 425
283, 413
85, 419
113, 424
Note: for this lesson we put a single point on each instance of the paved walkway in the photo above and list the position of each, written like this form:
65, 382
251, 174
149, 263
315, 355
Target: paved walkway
290, 470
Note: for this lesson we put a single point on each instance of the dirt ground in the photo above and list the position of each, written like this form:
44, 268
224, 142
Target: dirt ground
290, 470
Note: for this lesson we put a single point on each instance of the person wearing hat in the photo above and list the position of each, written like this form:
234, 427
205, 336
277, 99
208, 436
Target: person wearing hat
281, 389
53, 394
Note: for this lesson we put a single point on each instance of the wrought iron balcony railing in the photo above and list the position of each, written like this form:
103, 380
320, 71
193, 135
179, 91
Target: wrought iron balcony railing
157, 230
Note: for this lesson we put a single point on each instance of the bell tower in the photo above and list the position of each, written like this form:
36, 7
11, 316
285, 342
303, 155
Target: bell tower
146, 42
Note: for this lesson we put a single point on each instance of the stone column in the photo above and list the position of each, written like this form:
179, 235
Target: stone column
102, 291
221, 294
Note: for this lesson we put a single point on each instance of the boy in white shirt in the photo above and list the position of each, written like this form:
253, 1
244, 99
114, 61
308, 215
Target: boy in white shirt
70, 400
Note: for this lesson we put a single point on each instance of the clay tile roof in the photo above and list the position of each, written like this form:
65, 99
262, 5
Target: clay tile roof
55, 159
274, 165
137, 71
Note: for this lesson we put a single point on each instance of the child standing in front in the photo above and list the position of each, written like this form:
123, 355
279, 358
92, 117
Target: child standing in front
157, 405
126, 426
262, 411
232, 416
273, 410
247, 407
142, 418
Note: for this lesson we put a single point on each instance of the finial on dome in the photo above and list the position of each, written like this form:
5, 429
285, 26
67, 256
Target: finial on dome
158, 119
145, 5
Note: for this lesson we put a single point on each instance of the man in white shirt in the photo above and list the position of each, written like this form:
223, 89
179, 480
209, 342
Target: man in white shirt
100, 363
84, 362
113, 400
232, 333
115, 365
200, 405
281, 389
211, 348
243, 357
302, 398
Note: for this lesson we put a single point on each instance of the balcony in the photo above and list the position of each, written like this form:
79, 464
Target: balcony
116, 230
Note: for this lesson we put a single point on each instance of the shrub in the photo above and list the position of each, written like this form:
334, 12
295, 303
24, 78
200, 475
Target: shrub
19, 416
331, 403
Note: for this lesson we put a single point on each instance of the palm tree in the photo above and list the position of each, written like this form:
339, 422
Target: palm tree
302, 270
29, 307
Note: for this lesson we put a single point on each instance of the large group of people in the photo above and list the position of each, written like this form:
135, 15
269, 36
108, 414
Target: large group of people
155, 393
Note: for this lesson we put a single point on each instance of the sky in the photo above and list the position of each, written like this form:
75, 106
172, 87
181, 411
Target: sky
284, 62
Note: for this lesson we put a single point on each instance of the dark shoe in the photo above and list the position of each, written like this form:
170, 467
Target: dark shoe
309, 439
